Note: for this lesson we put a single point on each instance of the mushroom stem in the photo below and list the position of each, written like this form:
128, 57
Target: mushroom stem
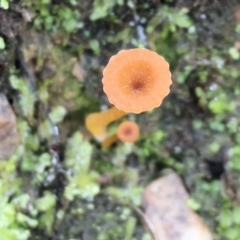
96, 123
108, 141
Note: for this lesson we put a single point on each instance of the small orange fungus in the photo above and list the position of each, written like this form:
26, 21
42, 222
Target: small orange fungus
127, 131
136, 80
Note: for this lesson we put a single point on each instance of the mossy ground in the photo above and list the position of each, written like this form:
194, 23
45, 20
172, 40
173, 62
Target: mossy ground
69, 188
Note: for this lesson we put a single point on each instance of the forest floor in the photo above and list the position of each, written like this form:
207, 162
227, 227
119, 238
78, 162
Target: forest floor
56, 182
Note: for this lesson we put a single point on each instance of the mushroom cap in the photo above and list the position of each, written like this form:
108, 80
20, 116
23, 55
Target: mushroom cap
128, 131
136, 80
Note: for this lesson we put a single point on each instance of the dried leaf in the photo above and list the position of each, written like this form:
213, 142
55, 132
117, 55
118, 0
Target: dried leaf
9, 137
78, 72
165, 204
237, 44
237, 14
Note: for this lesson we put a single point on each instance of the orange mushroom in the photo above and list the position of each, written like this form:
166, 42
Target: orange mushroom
135, 80
127, 131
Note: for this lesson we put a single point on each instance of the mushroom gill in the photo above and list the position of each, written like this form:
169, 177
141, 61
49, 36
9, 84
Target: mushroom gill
136, 80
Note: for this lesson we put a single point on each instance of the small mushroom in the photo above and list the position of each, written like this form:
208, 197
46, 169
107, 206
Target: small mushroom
135, 80
127, 131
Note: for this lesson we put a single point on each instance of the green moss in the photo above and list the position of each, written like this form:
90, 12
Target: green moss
87, 192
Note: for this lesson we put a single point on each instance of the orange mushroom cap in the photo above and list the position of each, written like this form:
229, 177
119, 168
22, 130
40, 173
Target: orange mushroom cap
136, 80
128, 131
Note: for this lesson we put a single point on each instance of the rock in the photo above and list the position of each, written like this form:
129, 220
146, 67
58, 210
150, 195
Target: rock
166, 209
9, 137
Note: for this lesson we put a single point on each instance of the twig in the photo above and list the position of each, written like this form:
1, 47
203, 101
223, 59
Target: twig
29, 76
57, 167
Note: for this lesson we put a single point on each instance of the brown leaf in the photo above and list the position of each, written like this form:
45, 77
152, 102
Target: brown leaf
78, 72
237, 14
237, 44
9, 137
165, 204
